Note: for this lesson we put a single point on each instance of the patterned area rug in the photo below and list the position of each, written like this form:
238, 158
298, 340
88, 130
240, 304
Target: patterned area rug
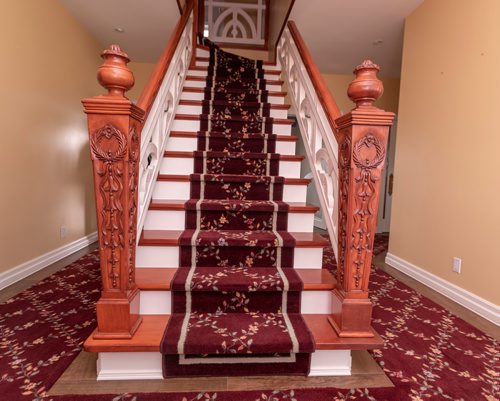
429, 354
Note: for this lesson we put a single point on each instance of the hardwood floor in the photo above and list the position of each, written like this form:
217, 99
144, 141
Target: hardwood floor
80, 378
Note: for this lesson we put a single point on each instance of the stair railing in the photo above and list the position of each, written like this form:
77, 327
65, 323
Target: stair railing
126, 146
346, 155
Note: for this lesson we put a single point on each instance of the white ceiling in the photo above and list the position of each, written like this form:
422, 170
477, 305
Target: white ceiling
339, 33
148, 24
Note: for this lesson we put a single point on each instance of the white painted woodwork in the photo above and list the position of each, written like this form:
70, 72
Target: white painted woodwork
202, 53
129, 366
194, 126
319, 139
160, 302
197, 110
176, 220
202, 84
181, 190
187, 144
168, 256
186, 95
148, 365
236, 22
185, 165
160, 120
327, 362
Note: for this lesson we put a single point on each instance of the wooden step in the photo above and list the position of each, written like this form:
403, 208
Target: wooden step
206, 59
159, 279
148, 337
202, 90
185, 178
190, 134
188, 155
171, 238
268, 82
177, 204
205, 68
200, 103
192, 117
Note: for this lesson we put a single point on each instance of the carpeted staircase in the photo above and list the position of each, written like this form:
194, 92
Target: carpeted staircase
236, 299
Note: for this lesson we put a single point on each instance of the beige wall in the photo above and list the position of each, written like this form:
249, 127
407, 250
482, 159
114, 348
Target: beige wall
447, 187
142, 73
338, 83
49, 64
278, 10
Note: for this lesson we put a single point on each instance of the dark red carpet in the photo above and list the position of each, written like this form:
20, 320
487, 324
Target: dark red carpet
429, 354
235, 297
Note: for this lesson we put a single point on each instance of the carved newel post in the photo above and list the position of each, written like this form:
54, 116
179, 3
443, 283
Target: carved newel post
363, 134
114, 132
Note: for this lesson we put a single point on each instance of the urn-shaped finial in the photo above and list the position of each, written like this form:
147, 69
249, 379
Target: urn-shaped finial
113, 74
366, 87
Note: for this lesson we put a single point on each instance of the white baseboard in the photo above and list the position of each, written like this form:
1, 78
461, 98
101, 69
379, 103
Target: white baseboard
476, 304
21, 271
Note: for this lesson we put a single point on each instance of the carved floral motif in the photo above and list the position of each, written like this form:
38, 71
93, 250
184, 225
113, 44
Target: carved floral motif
109, 146
344, 176
133, 157
368, 153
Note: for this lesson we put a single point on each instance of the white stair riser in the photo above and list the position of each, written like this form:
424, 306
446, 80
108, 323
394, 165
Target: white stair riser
169, 190
201, 84
148, 365
186, 144
201, 96
160, 302
185, 165
204, 73
176, 220
197, 110
168, 257
202, 52
194, 126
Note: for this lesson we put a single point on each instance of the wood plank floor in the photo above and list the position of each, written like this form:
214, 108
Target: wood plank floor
80, 378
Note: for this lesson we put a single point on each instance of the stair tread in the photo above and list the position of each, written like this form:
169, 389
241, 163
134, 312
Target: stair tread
191, 134
148, 337
195, 117
267, 81
176, 204
205, 68
159, 279
202, 58
185, 177
200, 103
191, 154
202, 90
171, 238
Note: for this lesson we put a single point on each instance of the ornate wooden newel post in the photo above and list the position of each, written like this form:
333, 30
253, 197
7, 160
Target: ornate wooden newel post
114, 130
363, 135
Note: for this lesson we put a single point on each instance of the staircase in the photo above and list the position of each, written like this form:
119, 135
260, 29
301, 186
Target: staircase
224, 276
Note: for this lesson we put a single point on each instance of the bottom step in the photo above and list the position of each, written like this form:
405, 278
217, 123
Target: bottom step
148, 365
139, 358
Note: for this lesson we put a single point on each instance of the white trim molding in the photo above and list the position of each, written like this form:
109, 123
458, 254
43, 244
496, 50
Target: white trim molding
471, 301
23, 270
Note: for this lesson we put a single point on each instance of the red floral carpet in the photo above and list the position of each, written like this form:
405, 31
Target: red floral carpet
429, 353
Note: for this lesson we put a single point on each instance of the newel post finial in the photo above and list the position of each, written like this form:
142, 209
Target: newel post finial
366, 88
114, 74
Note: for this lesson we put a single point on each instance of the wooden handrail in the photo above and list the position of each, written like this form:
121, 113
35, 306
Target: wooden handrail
330, 107
149, 93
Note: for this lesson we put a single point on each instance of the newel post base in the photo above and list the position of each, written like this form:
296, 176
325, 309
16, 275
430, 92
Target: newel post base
362, 139
115, 124
351, 317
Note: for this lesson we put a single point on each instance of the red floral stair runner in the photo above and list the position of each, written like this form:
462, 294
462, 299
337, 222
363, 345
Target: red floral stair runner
236, 297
